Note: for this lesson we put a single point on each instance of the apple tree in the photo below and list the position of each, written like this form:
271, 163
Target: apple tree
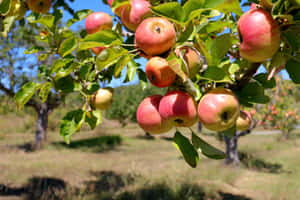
206, 53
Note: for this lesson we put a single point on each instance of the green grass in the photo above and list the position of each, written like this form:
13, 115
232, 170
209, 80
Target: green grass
111, 163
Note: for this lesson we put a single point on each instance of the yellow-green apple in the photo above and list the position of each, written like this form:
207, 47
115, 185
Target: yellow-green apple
148, 116
39, 6
118, 10
218, 109
18, 9
102, 99
243, 122
179, 107
96, 22
259, 35
155, 35
159, 73
192, 58
134, 14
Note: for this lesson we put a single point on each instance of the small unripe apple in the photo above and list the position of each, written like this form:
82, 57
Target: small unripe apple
98, 21
192, 59
218, 109
148, 116
259, 35
102, 99
244, 121
39, 6
134, 14
159, 73
155, 35
179, 107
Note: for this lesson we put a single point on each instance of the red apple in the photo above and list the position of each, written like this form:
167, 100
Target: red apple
218, 109
134, 14
39, 6
149, 118
97, 50
159, 72
102, 99
259, 35
244, 121
192, 59
155, 36
179, 107
98, 21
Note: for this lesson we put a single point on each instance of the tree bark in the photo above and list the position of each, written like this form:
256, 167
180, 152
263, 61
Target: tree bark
41, 125
232, 156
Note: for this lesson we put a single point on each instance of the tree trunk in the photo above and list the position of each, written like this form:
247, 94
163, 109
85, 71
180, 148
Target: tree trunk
232, 156
41, 125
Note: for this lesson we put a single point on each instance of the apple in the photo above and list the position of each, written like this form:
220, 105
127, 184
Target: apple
97, 50
117, 11
18, 9
218, 109
179, 107
155, 36
39, 6
148, 116
244, 121
134, 14
192, 59
98, 21
102, 99
259, 35
159, 73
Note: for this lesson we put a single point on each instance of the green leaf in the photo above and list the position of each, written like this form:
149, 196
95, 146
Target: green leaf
253, 92
172, 10
65, 84
193, 89
117, 3
34, 49
46, 20
109, 56
293, 39
25, 93
188, 151
93, 118
215, 26
5, 6
216, 74
71, 123
176, 65
92, 88
230, 132
234, 67
60, 63
207, 149
230, 6
200, 46
262, 79
7, 24
219, 47
44, 92
121, 63
131, 69
186, 34
293, 68
67, 46
71, 67
142, 78
103, 38
78, 16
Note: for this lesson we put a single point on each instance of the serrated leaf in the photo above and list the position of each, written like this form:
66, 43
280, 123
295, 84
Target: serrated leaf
65, 84
46, 20
131, 70
44, 91
91, 88
219, 47
60, 63
78, 16
176, 65
293, 68
142, 79
67, 46
187, 150
121, 63
109, 56
71, 67
186, 34
25, 93
207, 149
5, 6
262, 79
71, 123
216, 74
103, 38
34, 49
201, 47
172, 10
230, 6
93, 118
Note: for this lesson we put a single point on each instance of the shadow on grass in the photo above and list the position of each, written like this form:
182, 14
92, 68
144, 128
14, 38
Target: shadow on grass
259, 164
96, 144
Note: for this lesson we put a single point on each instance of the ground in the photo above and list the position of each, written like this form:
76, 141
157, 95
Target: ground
112, 162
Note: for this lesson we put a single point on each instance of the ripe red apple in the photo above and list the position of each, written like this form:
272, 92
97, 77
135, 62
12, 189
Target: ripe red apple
244, 121
102, 99
149, 118
155, 36
39, 6
218, 109
159, 72
192, 59
117, 11
259, 35
179, 107
134, 14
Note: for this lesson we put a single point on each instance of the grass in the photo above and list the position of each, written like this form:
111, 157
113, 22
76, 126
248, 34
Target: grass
111, 163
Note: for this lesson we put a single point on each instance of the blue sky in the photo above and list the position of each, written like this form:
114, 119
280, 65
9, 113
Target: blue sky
98, 5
